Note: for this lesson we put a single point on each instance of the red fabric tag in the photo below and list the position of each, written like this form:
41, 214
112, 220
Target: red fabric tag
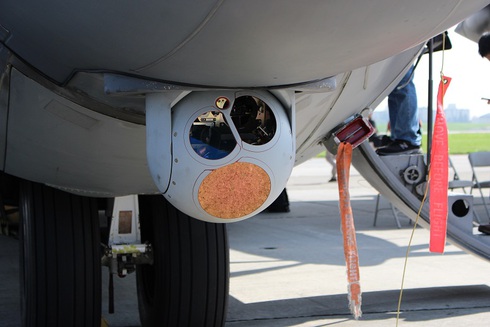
344, 158
438, 175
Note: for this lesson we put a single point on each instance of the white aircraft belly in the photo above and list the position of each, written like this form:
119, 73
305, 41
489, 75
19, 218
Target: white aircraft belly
65, 145
76, 149
222, 43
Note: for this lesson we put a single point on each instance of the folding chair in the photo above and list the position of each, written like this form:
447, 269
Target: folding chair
480, 167
456, 182
394, 210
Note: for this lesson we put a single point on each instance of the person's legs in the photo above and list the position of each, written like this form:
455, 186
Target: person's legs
404, 118
331, 160
404, 113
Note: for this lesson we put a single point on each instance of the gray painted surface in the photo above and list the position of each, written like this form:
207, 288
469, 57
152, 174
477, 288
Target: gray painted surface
222, 43
4, 98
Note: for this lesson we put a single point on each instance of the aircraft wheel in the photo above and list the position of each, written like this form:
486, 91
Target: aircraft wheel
60, 258
187, 284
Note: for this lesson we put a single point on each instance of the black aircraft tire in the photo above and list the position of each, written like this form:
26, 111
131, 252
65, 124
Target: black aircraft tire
60, 267
187, 284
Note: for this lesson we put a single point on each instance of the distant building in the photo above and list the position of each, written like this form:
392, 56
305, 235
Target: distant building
381, 116
455, 115
423, 114
482, 119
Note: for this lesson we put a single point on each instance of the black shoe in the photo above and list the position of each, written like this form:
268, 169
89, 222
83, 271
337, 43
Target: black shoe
333, 179
485, 229
281, 204
278, 209
380, 140
399, 147
385, 140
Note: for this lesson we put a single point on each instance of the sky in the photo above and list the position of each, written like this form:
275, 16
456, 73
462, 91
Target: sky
470, 75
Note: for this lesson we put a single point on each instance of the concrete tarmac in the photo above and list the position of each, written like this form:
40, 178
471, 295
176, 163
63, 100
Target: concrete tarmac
288, 269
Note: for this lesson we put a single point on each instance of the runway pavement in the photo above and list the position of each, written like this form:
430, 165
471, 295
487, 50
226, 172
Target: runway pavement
287, 269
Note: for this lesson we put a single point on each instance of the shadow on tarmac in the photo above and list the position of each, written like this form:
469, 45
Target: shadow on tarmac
376, 306
315, 237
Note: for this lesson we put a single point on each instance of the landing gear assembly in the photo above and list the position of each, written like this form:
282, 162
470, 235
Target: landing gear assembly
181, 263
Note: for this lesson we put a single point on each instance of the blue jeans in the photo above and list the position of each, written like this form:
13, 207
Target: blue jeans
404, 112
